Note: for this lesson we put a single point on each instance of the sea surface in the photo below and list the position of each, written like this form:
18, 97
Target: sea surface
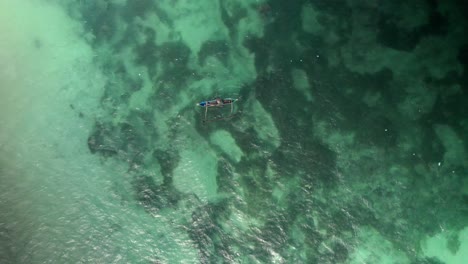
348, 143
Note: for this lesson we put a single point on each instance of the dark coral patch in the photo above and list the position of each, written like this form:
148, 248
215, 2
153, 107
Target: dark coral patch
101, 142
394, 36
154, 197
168, 161
219, 49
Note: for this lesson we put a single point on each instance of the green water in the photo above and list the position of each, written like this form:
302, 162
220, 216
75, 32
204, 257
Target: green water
348, 143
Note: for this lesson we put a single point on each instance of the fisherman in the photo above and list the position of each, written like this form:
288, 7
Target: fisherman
219, 101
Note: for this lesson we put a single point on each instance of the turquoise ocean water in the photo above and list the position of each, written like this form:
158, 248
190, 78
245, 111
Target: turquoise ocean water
349, 142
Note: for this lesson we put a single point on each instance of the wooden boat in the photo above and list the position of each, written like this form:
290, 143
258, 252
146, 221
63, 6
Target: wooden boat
217, 102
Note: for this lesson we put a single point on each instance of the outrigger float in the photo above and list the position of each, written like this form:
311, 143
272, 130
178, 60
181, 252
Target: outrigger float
218, 102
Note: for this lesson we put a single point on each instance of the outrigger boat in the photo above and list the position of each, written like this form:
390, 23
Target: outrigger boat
218, 102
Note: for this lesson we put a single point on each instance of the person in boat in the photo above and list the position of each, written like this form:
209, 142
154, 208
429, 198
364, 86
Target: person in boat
219, 101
